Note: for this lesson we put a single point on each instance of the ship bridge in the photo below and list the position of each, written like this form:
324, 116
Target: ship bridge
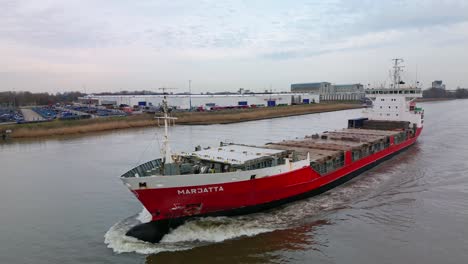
410, 92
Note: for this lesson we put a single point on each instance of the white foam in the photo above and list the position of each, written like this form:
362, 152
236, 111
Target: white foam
116, 239
187, 236
215, 229
144, 216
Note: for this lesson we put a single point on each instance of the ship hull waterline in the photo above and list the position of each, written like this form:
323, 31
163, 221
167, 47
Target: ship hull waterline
155, 230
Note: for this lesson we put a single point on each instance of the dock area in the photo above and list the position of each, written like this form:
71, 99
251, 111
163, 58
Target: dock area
31, 116
76, 112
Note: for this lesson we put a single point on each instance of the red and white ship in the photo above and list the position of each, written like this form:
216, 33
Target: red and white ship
235, 179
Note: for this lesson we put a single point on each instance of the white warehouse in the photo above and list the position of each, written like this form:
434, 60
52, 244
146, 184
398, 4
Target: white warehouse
206, 101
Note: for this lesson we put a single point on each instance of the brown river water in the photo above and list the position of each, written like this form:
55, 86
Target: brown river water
61, 200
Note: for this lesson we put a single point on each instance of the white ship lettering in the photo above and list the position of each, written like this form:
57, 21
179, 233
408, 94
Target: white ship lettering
200, 190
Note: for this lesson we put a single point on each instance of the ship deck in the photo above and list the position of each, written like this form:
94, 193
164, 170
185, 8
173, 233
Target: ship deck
326, 152
333, 144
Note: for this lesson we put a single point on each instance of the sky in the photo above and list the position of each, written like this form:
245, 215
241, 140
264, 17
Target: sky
96, 46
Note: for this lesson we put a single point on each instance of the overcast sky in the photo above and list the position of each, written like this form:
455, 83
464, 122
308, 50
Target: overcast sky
118, 45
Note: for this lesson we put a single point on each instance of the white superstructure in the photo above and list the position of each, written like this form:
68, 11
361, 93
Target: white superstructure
396, 103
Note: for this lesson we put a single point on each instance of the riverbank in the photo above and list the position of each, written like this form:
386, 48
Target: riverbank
68, 127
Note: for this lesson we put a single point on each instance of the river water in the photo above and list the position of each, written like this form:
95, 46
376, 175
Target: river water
61, 200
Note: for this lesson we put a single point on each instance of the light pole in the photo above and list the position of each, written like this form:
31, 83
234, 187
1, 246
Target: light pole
190, 94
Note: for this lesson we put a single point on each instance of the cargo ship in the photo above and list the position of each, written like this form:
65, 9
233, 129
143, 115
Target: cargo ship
233, 179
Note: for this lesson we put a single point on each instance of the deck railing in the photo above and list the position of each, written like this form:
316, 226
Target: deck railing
149, 168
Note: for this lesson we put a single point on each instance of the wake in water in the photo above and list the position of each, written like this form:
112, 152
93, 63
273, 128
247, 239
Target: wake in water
206, 230
191, 234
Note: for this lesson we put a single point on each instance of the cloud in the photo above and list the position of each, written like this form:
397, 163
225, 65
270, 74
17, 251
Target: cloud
117, 36
255, 25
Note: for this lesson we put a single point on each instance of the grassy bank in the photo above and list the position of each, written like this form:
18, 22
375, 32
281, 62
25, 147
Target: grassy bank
58, 127
226, 117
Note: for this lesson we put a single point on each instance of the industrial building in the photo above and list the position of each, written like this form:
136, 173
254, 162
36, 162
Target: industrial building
205, 101
331, 92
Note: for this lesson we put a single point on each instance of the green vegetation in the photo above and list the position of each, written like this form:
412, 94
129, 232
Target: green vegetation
27, 98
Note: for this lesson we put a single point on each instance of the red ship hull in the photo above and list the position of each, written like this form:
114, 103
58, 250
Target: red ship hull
256, 194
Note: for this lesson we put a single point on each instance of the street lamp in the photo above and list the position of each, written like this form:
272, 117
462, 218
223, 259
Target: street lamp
190, 94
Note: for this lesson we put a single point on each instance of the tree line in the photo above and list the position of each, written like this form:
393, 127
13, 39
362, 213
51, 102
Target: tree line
459, 93
27, 98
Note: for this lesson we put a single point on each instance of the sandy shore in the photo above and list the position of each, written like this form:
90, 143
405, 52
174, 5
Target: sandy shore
57, 127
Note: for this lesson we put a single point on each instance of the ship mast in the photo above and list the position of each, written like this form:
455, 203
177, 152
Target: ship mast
166, 150
396, 72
